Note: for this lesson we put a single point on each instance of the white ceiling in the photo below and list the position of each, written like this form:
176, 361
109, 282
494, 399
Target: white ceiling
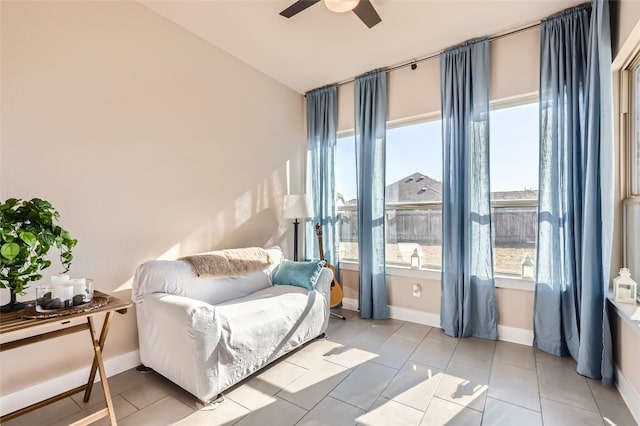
318, 47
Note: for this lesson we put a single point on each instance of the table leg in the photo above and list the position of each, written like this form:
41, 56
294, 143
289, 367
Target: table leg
98, 364
94, 365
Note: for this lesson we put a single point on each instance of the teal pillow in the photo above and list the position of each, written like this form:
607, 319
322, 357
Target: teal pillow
301, 274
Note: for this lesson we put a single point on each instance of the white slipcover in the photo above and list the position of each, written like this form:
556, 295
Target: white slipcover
206, 334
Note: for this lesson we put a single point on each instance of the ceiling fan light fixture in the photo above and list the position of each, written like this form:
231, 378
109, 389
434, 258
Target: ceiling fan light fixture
341, 6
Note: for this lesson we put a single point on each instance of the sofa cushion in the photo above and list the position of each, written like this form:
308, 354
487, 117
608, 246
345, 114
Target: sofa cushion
301, 274
258, 328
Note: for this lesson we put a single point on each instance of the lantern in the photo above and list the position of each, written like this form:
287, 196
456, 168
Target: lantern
624, 288
527, 267
416, 260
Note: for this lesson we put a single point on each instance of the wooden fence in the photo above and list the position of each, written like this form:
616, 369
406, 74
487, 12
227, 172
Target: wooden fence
512, 226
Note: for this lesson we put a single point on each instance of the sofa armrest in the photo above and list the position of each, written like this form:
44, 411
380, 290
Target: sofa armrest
183, 310
178, 317
161, 276
323, 285
178, 336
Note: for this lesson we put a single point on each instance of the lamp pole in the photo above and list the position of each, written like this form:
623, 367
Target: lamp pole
295, 239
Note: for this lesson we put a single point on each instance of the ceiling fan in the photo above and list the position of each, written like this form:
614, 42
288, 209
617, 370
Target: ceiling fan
362, 8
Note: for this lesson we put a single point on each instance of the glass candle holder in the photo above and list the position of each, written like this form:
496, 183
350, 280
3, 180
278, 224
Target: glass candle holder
55, 297
82, 290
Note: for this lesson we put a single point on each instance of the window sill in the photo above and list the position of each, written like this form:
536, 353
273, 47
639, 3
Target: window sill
435, 274
525, 284
398, 271
628, 312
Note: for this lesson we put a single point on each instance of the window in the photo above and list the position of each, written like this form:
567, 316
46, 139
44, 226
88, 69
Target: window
346, 197
414, 192
413, 195
514, 145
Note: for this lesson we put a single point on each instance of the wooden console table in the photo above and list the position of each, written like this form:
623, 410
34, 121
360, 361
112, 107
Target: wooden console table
11, 323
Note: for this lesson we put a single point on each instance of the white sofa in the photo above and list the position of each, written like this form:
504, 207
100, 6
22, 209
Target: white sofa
207, 334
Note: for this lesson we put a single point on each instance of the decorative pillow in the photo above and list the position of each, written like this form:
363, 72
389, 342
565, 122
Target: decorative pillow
301, 274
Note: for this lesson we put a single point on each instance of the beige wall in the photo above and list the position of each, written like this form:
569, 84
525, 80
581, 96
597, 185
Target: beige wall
149, 141
625, 14
349, 281
514, 307
514, 72
626, 347
400, 294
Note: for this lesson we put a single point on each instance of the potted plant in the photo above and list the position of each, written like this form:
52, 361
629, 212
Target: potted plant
28, 229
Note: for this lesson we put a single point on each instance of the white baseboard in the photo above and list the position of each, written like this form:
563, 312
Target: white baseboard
411, 315
25, 397
629, 395
521, 336
350, 304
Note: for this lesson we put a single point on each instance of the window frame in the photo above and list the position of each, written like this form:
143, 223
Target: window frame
625, 65
427, 205
501, 281
630, 167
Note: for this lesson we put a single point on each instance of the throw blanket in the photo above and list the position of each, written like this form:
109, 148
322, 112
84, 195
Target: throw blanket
226, 263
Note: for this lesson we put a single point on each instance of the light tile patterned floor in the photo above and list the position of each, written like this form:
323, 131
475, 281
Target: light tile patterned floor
368, 373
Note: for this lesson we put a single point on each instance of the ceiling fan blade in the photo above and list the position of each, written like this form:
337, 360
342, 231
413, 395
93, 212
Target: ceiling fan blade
367, 13
297, 7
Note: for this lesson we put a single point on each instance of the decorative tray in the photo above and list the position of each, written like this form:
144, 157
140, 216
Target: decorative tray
97, 302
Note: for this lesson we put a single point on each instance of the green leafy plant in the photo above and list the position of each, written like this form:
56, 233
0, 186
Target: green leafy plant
28, 229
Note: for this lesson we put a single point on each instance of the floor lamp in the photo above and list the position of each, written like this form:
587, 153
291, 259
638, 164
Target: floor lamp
297, 206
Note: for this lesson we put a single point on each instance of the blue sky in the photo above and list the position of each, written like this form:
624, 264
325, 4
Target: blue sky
418, 148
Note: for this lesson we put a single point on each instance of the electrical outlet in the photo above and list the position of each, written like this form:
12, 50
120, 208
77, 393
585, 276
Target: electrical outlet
417, 290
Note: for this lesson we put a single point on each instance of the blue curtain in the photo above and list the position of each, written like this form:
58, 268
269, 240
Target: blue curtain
371, 128
468, 306
600, 137
574, 243
322, 118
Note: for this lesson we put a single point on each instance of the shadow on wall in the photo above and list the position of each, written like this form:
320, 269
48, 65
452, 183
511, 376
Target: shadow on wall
249, 219
250, 233
154, 226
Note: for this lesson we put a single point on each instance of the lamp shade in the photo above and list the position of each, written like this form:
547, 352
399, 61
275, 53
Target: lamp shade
297, 206
341, 6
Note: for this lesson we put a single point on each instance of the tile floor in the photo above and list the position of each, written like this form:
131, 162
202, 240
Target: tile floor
369, 373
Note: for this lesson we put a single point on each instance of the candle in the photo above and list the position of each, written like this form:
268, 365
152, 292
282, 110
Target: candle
61, 289
62, 292
79, 285
60, 279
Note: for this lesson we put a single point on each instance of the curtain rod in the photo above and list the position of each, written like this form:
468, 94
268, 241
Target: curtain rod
435, 55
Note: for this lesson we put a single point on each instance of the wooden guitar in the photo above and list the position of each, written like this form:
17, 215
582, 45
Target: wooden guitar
336, 290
